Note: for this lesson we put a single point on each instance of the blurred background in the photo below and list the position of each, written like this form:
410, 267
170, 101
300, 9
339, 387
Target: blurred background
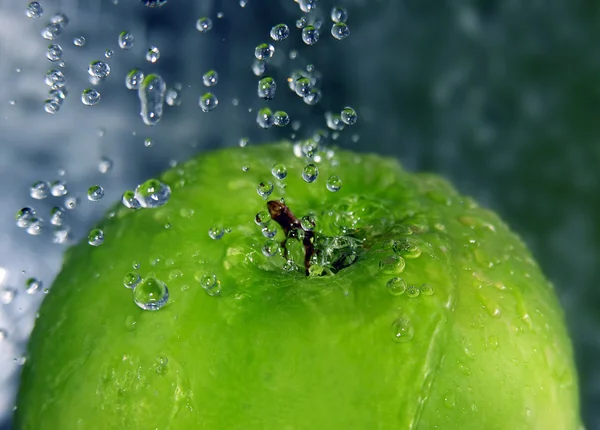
501, 97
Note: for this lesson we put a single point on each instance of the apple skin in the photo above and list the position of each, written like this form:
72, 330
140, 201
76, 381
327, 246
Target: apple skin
277, 350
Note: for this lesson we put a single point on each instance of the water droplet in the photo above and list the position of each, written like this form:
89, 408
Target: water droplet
264, 118
109, 53
208, 102
216, 232
210, 78
412, 291
310, 173
310, 35
39, 190
96, 237
153, 54
134, 79
25, 217
204, 24
58, 188
281, 118
95, 193
54, 53
308, 223
7, 295
334, 183
105, 165
334, 121
301, 86
313, 97
271, 248
71, 202
392, 264
269, 231
301, 22
79, 41
60, 19
396, 286
3, 334
131, 279
402, 330
152, 193
209, 282
32, 285
340, 30
151, 294
264, 51
152, 97
90, 97
279, 171
267, 88
407, 248
280, 32
35, 227
427, 290
51, 106
126, 40
262, 218
264, 189
57, 216
51, 31
99, 69
148, 142
349, 116
55, 79
34, 10
339, 14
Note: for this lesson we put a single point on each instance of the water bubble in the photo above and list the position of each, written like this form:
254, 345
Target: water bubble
109, 53
269, 231
35, 227
339, 14
51, 106
264, 118
209, 282
208, 102
427, 290
407, 248
95, 193
264, 51
334, 121
259, 67
281, 118
99, 69
396, 286
105, 165
279, 171
204, 24
334, 183
60, 19
57, 216
402, 330
79, 41
303, 86
210, 78
267, 88
39, 190
152, 193
413, 291
126, 40
216, 232
392, 264
151, 294
154, 3
280, 32
58, 188
308, 223
153, 54
71, 203
264, 189
55, 79
313, 97
271, 248
96, 237
148, 142
262, 218
25, 217
134, 79
130, 201
152, 97
301, 22
173, 97
34, 10
7, 295
54, 53
243, 142
340, 30
51, 32
310, 35
32, 285
310, 173
131, 279
349, 116
90, 97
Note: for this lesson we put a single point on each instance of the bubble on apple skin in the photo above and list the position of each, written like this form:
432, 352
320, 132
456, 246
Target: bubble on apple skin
279, 171
267, 88
264, 189
90, 97
96, 237
25, 217
7, 295
126, 40
152, 98
134, 79
265, 118
99, 69
204, 25
209, 282
340, 30
412, 291
131, 279
151, 294
310, 173
208, 102
396, 286
54, 53
32, 285
334, 183
392, 264
339, 14
152, 193
34, 10
402, 330
216, 232
279, 32
153, 54
310, 35
264, 51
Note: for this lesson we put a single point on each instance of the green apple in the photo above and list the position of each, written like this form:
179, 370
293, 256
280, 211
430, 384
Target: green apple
419, 309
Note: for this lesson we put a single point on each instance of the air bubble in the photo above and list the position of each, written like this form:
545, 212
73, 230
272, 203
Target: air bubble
208, 102
271, 248
204, 24
7, 295
349, 116
96, 237
58, 188
427, 290
71, 202
105, 165
35, 227
151, 294
313, 97
154, 3
310, 173
51, 32
392, 264
25, 217
126, 40
55, 79
264, 189
308, 223
131, 279
98, 69
301, 22
52, 106
339, 14
264, 51
259, 67
264, 118
334, 121
280, 32
402, 330
95, 193
39, 190
279, 171
340, 30
152, 97
310, 35
243, 142
302, 86
153, 54
57, 216
32, 285
262, 218
79, 41
109, 53
90, 97
396, 286
216, 232
34, 10
266, 88
152, 193
54, 53
210, 78
281, 118
412, 291
334, 183
209, 282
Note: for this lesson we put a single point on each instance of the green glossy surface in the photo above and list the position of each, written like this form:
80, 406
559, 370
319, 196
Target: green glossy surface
488, 349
